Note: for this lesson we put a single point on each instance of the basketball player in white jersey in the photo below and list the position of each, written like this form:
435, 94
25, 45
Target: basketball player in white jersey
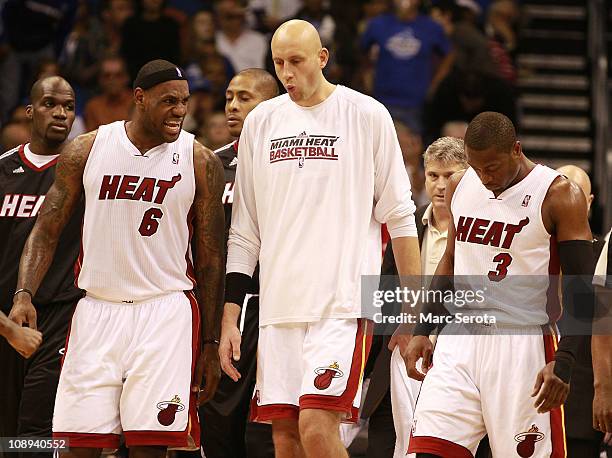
320, 170
132, 364
509, 216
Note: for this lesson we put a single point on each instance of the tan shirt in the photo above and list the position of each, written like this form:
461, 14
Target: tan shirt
434, 244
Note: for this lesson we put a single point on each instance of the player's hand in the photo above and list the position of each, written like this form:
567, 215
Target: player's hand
418, 347
229, 349
207, 365
25, 340
602, 410
23, 311
550, 390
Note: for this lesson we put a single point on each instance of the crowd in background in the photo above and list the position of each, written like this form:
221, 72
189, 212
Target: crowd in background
434, 64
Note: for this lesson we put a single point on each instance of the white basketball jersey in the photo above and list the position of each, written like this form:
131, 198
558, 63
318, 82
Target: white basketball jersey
137, 224
503, 248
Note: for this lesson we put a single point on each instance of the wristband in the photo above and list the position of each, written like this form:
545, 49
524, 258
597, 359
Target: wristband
24, 290
236, 287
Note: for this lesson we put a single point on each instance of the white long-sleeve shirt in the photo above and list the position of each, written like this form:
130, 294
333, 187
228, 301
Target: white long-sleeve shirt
313, 186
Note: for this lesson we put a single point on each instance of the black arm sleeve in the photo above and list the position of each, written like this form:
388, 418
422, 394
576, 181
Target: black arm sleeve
236, 287
576, 258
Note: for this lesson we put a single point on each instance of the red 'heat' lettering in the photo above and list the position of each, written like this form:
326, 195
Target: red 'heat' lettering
130, 187
486, 232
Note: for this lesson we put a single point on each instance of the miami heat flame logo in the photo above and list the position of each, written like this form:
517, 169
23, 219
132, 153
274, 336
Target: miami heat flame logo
326, 374
168, 410
526, 441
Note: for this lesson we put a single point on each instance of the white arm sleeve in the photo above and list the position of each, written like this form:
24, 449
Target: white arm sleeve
392, 195
244, 241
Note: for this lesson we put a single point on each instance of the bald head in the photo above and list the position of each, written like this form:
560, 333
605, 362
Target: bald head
264, 82
47, 84
299, 60
580, 177
297, 32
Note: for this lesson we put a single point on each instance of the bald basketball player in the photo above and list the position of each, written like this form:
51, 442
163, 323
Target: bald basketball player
582, 439
320, 169
27, 388
581, 178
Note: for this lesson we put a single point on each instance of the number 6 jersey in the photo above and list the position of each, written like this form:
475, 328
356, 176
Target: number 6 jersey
503, 249
138, 221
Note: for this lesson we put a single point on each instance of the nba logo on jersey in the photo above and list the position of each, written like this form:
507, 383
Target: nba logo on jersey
175, 158
301, 162
526, 200
178, 72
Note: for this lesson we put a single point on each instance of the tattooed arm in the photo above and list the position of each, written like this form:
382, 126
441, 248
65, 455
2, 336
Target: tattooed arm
57, 208
209, 266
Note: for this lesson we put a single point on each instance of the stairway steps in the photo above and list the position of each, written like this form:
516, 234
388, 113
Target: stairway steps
563, 82
575, 145
570, 124
554, 61
557, 102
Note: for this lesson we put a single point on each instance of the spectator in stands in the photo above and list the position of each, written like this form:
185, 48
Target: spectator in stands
82, 51
243, 47
114, 14
471, 46
412, 149
14, 134
462, 95
408, 43
31, 31
215, 133
148, 35
500, 29
269, 14
116, 101
315, 12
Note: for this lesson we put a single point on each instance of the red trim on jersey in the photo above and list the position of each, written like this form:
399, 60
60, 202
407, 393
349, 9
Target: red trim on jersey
169, 438
344, 402
25, 160
557, 429
273, 412
89, 440
553, 305
235, 145
193, 424
437, 446
78, 264
190, 271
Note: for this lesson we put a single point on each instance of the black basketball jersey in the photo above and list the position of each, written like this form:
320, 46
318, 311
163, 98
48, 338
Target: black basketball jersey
23, 187
229, 158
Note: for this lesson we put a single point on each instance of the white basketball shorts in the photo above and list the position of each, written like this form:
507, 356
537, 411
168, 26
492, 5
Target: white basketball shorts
315, 365
482, 383
128, 369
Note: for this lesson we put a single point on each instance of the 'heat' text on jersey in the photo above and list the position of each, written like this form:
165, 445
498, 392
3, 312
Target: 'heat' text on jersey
131, 187
21, 206
486, 232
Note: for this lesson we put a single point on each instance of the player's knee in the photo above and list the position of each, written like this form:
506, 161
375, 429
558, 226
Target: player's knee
285, 434
318, 426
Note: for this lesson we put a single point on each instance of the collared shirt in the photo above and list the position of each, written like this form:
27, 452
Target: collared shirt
434, 244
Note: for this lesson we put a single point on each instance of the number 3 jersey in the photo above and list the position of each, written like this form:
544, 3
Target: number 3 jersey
138, 220
503, 252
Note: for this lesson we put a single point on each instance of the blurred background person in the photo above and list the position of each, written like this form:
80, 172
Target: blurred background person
115, 102
407, 46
